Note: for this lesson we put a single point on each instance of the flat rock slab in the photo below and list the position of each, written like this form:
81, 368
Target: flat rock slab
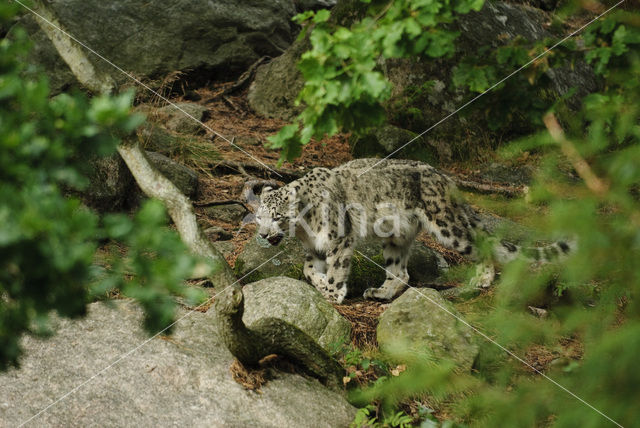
183, 380
418, 321
299, 304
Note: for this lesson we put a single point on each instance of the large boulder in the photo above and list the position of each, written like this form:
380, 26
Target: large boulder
297, 303
424, 266
152, 39
112, 187
389, 139
182, 381
276, 85
421, 320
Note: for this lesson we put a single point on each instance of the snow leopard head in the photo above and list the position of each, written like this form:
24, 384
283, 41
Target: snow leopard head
273, 214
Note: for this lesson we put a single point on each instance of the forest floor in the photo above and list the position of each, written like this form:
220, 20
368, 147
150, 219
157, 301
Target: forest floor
223, 174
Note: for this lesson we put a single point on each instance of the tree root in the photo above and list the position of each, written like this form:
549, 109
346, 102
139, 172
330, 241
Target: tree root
240, 83
271, 336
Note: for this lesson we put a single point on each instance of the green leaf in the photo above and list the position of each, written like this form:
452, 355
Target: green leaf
322, 15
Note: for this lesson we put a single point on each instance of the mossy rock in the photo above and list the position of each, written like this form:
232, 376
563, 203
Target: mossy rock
424, 266
297, 303
422, 321
260, 260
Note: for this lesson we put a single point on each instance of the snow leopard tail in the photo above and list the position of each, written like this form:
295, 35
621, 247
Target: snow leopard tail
505, 251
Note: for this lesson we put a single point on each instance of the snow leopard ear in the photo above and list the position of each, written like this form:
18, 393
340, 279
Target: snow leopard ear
254, 188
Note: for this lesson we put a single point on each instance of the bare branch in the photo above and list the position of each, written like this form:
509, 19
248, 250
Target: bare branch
474, 186
593, 182
156, 185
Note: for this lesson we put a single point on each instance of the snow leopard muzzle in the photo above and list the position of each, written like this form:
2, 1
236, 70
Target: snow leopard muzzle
275, 239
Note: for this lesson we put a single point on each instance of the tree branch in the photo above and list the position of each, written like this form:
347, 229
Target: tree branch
474, 186
179, 207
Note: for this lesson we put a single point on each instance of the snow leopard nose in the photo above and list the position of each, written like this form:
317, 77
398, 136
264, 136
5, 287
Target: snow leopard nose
264, 235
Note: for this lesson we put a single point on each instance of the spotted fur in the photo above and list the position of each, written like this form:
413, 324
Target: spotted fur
341, 206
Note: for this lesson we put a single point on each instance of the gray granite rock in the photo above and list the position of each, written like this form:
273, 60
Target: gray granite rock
182, 381
151, 39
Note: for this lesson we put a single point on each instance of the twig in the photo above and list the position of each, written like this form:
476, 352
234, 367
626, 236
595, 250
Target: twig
510, 192
215, 203
287, 175
593, 182
231, 103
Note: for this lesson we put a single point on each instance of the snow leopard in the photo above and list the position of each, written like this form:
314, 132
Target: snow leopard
330, 210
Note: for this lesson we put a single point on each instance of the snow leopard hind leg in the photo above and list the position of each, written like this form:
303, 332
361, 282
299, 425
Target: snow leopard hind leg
396, 258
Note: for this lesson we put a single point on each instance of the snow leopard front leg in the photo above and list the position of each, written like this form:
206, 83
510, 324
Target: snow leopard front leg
315, 269
338, 264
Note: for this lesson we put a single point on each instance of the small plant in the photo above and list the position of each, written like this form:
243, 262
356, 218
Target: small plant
343, 87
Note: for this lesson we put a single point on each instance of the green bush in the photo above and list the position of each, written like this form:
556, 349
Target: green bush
48, 240
343, 89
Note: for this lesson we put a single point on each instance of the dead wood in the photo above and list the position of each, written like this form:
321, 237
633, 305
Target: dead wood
475, 186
